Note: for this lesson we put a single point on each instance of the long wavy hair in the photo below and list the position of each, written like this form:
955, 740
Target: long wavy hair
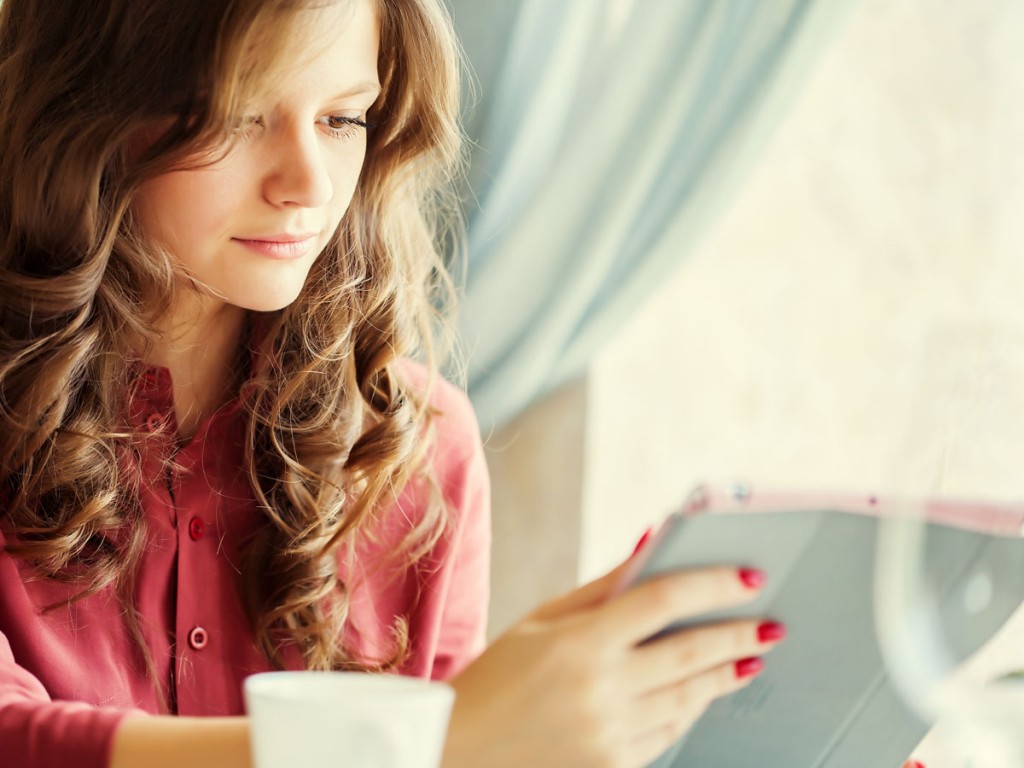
333, 430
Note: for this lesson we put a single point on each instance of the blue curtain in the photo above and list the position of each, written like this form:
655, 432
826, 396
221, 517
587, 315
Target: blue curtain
608, 134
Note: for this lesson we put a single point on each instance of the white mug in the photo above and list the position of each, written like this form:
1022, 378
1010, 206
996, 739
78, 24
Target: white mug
349, 719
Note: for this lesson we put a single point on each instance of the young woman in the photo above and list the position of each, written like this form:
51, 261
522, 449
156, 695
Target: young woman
224, 444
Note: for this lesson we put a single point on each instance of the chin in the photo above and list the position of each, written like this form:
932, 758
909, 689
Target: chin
270, 302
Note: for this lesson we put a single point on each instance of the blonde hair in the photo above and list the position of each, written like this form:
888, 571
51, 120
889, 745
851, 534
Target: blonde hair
333, 430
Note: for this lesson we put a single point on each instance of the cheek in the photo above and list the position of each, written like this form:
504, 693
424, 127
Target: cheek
345, 180
177, 206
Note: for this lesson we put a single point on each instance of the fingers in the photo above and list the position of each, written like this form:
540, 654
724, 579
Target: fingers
664, 715
699, 665
648, 608
690, 652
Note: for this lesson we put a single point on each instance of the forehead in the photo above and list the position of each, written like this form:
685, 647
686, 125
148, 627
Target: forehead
327, 47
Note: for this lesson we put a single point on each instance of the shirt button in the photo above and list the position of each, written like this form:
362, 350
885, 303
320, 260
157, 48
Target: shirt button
153, 422
195, 528
198, 638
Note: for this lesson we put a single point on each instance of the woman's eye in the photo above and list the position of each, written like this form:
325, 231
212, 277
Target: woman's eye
343, 126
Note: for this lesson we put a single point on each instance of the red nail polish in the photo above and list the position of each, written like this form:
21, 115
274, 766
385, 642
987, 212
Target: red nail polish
771, 632
914, 764
643, 540
749, 667
752, 578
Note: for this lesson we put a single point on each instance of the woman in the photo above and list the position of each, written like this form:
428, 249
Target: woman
217, 455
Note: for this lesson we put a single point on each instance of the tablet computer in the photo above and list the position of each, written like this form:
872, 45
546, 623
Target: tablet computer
825, 698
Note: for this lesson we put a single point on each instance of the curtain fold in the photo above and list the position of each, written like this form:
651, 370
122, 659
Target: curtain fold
609, 136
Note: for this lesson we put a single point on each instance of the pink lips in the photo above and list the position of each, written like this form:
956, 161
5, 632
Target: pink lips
279, 246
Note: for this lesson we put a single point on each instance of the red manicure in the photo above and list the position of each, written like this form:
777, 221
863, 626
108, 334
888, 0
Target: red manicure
771, 632
914, 764
752, 578
749, 667
643, 540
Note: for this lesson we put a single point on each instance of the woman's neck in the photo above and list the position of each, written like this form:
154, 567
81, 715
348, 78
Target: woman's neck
200, 349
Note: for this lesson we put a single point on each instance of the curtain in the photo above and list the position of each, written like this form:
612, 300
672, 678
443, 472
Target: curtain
607, 136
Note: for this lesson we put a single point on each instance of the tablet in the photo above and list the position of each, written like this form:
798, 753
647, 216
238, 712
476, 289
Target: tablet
824, 699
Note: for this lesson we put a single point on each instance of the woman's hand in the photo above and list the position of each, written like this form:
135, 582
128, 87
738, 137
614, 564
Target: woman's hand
571, 684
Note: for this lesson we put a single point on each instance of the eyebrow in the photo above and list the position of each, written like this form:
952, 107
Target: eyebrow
361, 88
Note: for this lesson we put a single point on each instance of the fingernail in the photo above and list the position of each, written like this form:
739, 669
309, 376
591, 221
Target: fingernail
752, 578
643, 540
771, 631
749, 667
914, 764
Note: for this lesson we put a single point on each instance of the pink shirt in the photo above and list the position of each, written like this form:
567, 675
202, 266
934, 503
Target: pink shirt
66, 677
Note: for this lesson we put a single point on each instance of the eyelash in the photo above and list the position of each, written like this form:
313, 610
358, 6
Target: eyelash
339, 127
343, 127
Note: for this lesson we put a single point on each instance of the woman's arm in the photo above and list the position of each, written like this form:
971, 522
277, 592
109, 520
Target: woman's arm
174, 742
568, 685
37, 732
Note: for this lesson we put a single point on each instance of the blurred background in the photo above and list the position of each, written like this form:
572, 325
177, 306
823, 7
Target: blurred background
721, 239
725, 238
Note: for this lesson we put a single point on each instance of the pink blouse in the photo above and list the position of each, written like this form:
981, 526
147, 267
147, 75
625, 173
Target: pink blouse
69, 676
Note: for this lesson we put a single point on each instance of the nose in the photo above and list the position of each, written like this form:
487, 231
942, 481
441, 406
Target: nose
297, 172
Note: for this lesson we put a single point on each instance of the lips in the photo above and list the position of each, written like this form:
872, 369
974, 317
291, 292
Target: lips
281, 246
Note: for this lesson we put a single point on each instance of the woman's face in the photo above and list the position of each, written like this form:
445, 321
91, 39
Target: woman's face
248, 228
